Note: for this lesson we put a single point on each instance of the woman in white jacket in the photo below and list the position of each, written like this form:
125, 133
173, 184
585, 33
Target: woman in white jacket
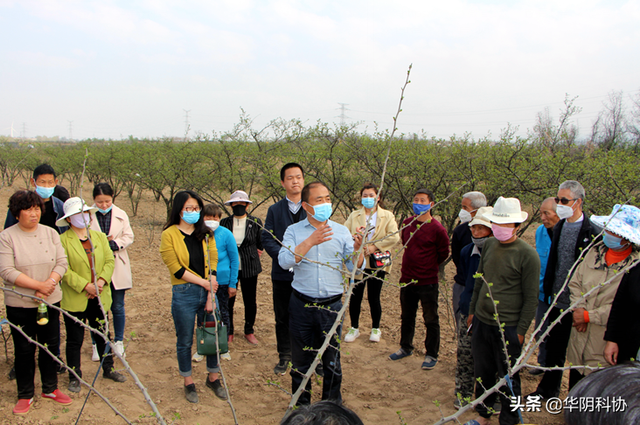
114, 222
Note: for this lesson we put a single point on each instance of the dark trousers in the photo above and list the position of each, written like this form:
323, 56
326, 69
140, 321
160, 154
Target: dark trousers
222, 302
25, 351
374, 289
75, 336
308, 325
281, 296
248, 286
557, 343
490, 362
427, 295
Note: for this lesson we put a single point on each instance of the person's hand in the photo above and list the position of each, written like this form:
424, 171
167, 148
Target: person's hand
611, 352
232, 292
260, 251
91, 290
357, 241
212, 283
40, 295
578, 320
321, 234
521, 339
469, 320
47, 287
209, 306
100, 285
109, 238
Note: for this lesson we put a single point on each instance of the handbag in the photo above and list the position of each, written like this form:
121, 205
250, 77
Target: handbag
208, 333
380, 259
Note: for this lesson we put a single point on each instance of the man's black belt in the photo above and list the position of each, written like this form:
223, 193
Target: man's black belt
319, 301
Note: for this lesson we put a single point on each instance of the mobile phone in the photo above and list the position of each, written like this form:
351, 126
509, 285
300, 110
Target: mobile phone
469, 329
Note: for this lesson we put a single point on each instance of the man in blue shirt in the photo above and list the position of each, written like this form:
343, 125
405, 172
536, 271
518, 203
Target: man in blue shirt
317, 248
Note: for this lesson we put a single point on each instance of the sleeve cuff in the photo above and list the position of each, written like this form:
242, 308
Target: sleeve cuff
180, 273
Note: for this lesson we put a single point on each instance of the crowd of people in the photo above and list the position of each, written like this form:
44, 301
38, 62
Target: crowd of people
500, 286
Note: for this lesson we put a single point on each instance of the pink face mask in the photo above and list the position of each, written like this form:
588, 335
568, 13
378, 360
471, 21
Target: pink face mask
502, 233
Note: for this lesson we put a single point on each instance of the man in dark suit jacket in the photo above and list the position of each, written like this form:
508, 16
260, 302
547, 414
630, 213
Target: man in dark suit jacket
281, 215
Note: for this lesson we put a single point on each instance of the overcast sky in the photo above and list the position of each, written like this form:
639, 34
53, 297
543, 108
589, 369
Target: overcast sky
120, 68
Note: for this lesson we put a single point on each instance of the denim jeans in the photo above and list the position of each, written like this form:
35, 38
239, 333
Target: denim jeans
117, 309
187, 303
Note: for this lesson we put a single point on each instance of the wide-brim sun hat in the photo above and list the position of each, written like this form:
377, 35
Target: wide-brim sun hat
507, 210
73, 206
480, 217
624, 221
239, 196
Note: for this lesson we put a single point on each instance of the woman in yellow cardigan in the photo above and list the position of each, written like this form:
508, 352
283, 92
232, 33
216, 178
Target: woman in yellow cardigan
81, 288
382, 236
185, 251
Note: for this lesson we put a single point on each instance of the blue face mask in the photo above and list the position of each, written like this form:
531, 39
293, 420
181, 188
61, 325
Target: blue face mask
45, 192
420, 208
191, 217
323, 211
612, 241
107, 210
368, 202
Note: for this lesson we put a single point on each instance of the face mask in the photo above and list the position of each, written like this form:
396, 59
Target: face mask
212, 224
564, 211
612, 241
45, 192
191, 217
465, 216
107, 210
80, 221
323, 211
479, 242
368, 202
420, 208
239, 210
502, 233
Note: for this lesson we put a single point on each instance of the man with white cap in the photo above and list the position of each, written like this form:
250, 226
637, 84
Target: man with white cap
509, 289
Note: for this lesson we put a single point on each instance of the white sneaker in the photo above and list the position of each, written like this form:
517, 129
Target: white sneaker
119, 348
197, 357
351, 335
225, 356
95, 357
375, 335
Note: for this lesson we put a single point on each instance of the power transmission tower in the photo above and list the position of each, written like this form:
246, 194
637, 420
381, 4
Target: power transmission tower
70, 129
342, 115
186, 123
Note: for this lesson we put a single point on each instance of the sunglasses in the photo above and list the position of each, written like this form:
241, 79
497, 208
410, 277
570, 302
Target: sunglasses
564, 201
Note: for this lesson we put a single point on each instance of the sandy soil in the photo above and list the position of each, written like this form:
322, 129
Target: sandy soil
379, 390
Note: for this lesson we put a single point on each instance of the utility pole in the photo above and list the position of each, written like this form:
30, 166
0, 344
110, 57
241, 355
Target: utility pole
186, 123
342, 115
70, 130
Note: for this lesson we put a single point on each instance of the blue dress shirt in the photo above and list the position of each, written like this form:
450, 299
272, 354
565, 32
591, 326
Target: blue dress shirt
317, 280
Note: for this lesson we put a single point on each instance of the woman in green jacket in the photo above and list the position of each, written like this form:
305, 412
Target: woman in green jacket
88, 276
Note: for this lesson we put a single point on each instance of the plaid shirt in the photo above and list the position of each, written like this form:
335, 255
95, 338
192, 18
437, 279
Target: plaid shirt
104, 220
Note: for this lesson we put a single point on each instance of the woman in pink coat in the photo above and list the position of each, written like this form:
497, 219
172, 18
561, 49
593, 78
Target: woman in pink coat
114, 222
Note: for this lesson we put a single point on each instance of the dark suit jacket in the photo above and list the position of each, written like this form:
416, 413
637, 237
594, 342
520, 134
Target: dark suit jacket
248, 251
278, 219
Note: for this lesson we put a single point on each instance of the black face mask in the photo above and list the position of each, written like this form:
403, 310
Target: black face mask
239, 210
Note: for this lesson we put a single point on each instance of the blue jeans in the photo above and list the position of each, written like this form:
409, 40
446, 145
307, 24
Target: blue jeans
187, 303
117, 309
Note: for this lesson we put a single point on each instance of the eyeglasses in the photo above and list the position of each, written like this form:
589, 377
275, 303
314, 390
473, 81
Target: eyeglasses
564, 201
192, 209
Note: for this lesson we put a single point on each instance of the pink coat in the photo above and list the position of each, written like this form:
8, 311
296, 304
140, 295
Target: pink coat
123, 236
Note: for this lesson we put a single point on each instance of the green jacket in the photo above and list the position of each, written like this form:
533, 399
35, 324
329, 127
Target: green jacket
78, 275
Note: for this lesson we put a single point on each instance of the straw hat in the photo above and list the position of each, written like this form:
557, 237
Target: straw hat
624, 221
238, 196
74, 206
480, 217
507, 210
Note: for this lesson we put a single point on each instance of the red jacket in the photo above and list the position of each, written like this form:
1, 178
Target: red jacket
424, 251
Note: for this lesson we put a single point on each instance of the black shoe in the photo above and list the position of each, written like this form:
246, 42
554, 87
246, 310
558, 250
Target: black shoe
114, 376
74, 386
190, 393
217, 388
538, 393
320, 370
535, 371
281, 367
61, 369
12, 373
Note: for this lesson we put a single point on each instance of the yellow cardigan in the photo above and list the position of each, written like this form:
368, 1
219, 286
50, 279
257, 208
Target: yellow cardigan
78, 275
176, 256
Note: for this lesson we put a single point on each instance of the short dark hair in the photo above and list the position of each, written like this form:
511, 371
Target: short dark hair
102, 189
288, 165
305, 190
24, 200
201, 229
213, 210
324, 412
43, 169
426, 192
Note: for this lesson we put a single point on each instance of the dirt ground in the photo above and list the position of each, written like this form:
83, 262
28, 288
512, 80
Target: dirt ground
378, 390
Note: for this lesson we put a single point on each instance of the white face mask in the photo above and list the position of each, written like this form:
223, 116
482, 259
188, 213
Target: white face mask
212, 224
564, 211
465, 216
